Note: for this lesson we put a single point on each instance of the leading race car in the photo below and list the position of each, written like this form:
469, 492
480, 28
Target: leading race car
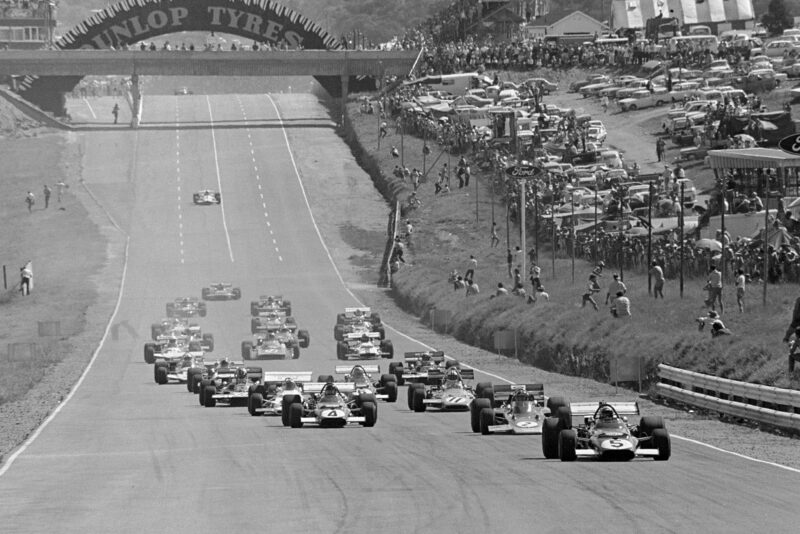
272, 347
270, 303
271, 321
266, 396
182, 330
357, 321
331, 405
221, 291
229, 383
450, 393
186, 307
605, 433
416, 366
360, 376
179, 369
364, 346
514, 409
171, 348
206, 197
171, 326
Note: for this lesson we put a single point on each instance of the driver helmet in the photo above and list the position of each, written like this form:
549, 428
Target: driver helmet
271, 335
329, 389
289, 384
241, 373
225, 362
357, 374
606, 412
187, 358
451, 375
365, 338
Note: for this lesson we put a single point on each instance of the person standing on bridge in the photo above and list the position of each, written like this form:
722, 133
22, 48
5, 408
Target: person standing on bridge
115, 112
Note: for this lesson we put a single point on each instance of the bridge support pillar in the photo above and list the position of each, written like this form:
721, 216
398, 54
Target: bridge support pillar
345, 89
136, 101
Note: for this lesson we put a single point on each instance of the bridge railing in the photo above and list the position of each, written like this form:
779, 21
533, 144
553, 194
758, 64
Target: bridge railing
764, 404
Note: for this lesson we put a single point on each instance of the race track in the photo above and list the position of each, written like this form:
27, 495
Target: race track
127, 455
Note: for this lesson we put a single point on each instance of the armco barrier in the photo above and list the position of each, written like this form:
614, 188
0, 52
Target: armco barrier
764, 404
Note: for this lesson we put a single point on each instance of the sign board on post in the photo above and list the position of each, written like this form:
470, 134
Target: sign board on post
505, 340
440, 318
626, 369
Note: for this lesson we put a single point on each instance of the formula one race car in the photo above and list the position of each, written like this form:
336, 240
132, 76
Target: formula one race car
221, 291
179, 369
186, 307
330, 405
513, 409
366, 346
266, 397
171, 348
270, 303
271, 322
416, 365
207, 197
229, 383
605, 433
271, 347
180, 330
357, 321
171, 326
360, 377
450, 393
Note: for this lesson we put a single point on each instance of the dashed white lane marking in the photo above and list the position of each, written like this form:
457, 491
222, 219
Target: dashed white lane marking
258, 178
219, 177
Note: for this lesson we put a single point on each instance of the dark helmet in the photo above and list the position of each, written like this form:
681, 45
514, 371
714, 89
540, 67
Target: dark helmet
365, 338
358, 373
452, 374
606, 412
225, 362
241, 373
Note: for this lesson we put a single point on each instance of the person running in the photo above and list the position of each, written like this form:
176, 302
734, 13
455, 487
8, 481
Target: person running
495, 237
591, 288
658, 275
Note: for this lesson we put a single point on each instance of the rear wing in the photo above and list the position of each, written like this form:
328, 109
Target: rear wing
510, 389
274, 376
316, 387
366, 311
255, 373
438, 374
435, 356
265, 298
589, 408
355, 336
346, 369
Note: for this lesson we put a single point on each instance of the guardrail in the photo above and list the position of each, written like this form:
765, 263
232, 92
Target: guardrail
764, 404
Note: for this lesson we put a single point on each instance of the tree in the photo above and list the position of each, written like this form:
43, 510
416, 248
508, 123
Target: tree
777, 18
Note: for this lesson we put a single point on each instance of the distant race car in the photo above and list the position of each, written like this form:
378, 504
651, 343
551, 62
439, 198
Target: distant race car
604, 433
365, 346
270, 303
179, 369
221, 291
416, 365
170, 348
183, 91
181, 328
266, 396
186, 307
514, 409
360, 377
330, 405
271, 322
229, 383
206, 197
170, 326
357, 320
272, 347
449, 394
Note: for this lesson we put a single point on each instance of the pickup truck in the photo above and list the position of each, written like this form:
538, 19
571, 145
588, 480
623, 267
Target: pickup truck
645, 99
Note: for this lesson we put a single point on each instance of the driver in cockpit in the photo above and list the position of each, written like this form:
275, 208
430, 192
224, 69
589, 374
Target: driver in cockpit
358, 375
329, 393
451, 379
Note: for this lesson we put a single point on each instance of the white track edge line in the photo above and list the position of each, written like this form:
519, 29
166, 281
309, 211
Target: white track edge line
346, 288
219, 177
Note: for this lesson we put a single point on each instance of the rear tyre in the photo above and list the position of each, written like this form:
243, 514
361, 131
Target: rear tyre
161, 374
567, 440
338, 332
419, 399
369, 410
387, 349
366, 397
247, 348
550, 432
191, 376
650, 424
564, 416
554, 403
296, 415
254, 402
149, 352
475, 409
486, 418
304, 337
201, 390
286, 404
661, 442
390, 389
486, 392
208, 397
396, 368
295, 352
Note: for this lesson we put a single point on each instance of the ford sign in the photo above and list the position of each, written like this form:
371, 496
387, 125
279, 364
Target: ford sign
791, 144
523, 171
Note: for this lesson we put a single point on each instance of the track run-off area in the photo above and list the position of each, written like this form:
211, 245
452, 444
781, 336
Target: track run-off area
123, 454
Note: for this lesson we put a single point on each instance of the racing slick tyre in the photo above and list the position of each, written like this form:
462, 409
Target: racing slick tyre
155, 331
396, 369
324, 379
564, 415
208, 396
208, 341
200, 390
338, 332
475, 409
418, 398
567, 442
247, 348
366, 397
550, 431
201, 310
341, 318
484, 390
204, 293
253, 308
486, 419
290, 321
341, 350
382, 331
375, 318
387, 349
286, 403
253, 326
649, 424
237, 293
295, 415
304, 337
191, 376
160, 374
369, 410
149, 352
287, 307
410, 395
554, 403
254, 402
295, 352
662, 443
390, 389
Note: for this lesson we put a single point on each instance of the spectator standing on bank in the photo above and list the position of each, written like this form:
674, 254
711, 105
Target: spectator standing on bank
60, 186
615, 287
517, 277
658, 280
621, 306
495, 237
518, 252
472, 264
472, 288
535, 277
715, 289
604, 103
740, 286
661, 146
384, 130
510, 261
592, 287
409, 231
30, 200
115, 112
47, 191
26, 278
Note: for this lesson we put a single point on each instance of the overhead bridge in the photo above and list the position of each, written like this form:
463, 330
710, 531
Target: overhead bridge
334, 69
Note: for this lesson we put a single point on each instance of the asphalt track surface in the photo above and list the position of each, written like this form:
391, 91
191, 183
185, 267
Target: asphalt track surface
126, 455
